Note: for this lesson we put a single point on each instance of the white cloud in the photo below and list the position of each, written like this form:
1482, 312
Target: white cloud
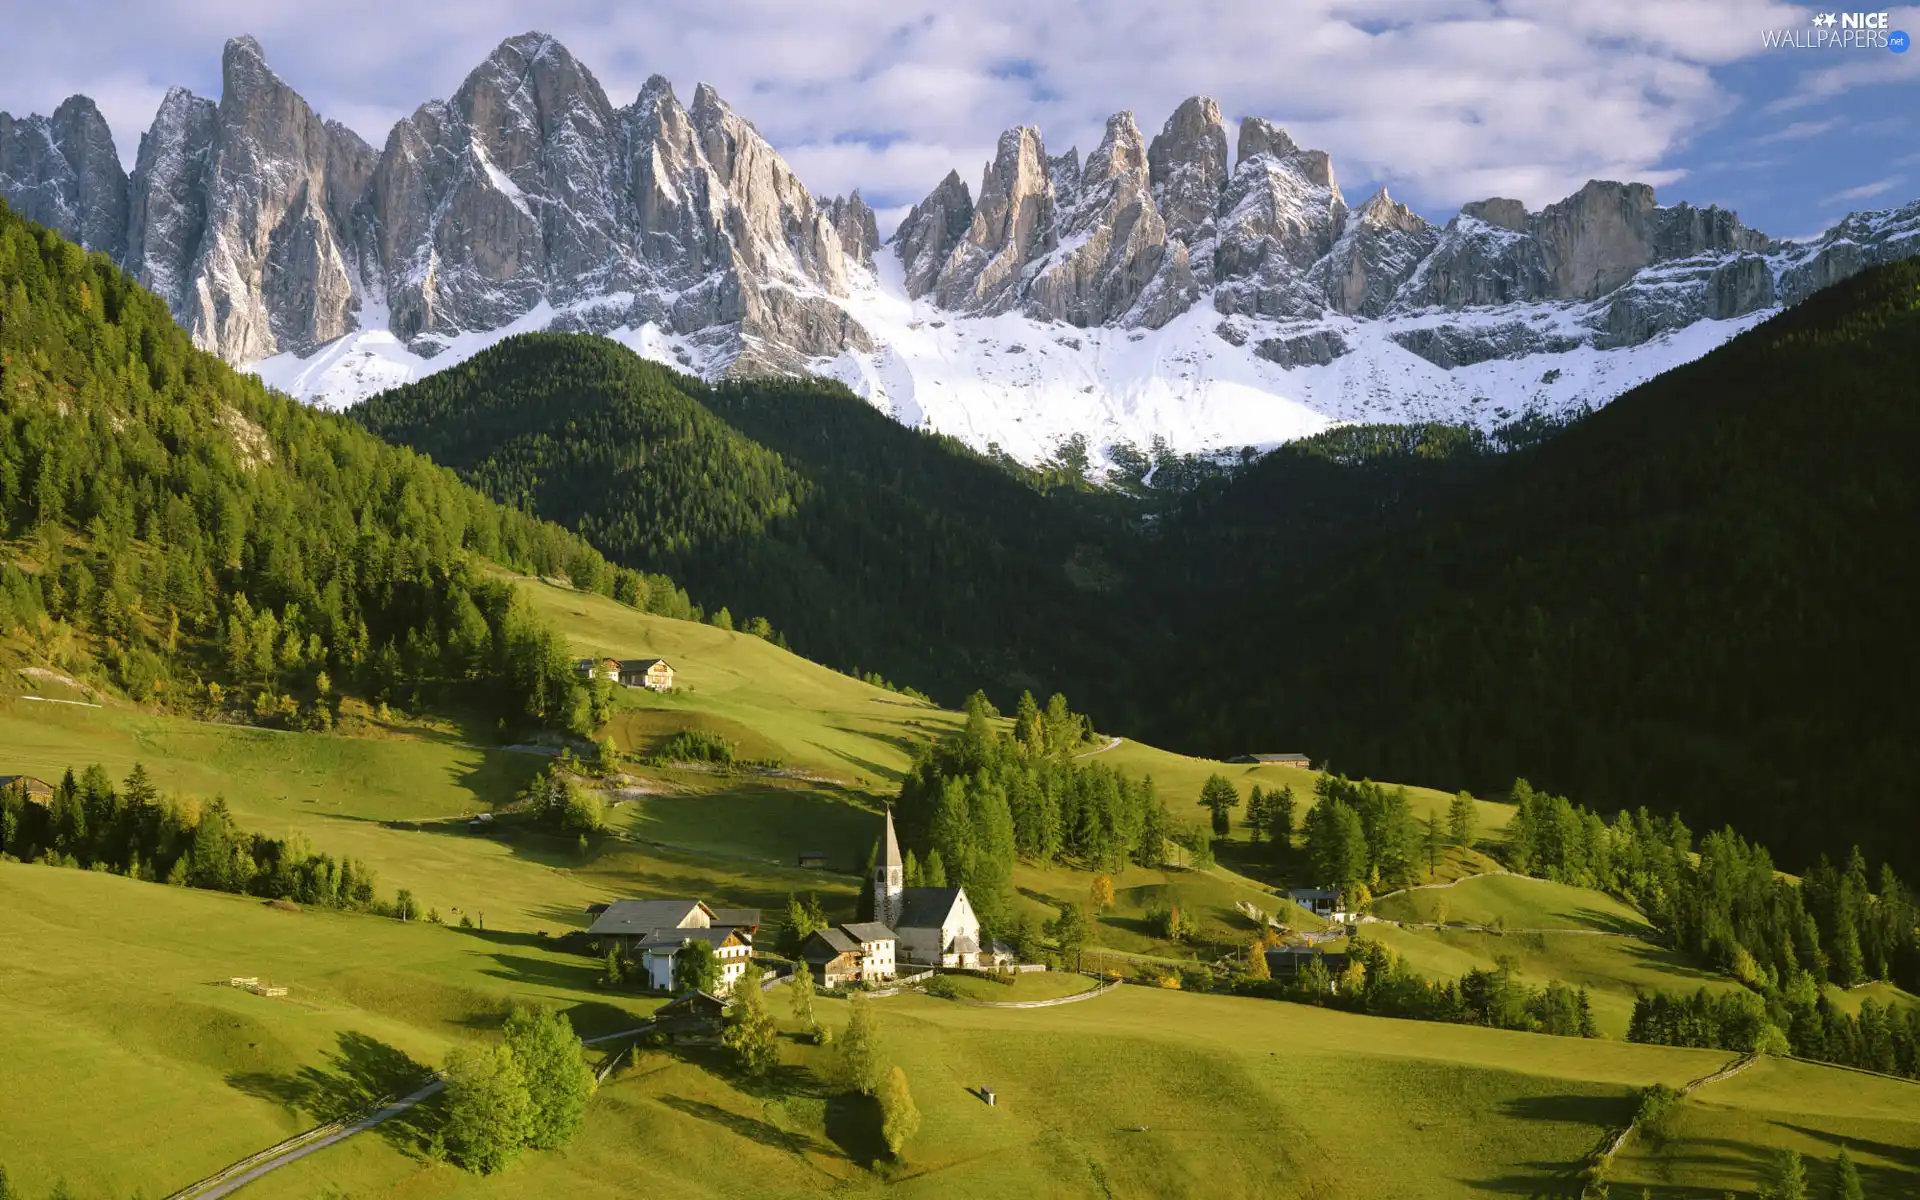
1798, 131
1446, 101
1865, 191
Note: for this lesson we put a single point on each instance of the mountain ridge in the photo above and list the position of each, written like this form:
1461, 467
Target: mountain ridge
1159, 288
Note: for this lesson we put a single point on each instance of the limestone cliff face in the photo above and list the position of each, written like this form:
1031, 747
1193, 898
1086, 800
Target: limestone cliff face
167, 199
1111, 240
1013, 224
62, 171
276, 264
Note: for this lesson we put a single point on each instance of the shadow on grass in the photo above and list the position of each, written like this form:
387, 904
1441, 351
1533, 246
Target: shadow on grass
853, 1124
751, 1128
1593, 918
361, 1073
1599, 1113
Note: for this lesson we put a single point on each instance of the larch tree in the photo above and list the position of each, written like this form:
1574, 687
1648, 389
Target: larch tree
750, 1031
899, 1116
860, 1048
1219, 797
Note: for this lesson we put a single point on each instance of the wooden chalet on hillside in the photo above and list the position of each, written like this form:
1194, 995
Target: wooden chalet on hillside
652, 932
1273, 760
39, 791
651, 673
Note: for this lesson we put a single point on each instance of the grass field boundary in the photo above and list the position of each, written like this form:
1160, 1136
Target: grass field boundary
1099, 989
1595, 1172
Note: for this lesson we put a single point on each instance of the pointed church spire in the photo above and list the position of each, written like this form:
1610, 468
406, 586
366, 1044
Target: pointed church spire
890, 853
889, 878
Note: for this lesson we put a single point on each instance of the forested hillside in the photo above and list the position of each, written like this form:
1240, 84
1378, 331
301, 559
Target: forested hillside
173, 530
864, 543
1700, 598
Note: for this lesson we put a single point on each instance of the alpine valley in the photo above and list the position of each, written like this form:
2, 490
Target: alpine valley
1201, 288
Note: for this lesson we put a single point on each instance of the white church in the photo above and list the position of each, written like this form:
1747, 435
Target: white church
936, 926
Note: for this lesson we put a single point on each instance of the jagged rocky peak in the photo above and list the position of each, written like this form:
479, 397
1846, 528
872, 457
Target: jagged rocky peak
1189, 168
1382, 246
64, 172
1281, 213
857, 226
1498, 211
1013, 224
277, 253
166, 197
1111, 240
930, 232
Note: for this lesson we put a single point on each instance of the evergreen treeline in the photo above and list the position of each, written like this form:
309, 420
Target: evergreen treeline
132, 830
1698, 598
860, 540
1724, 901
1361, 837
978, 799
1379, 982
180, 525
1880, 1038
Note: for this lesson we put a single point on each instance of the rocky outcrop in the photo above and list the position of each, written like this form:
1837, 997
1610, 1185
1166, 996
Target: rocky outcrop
857, 227
931, 232
1281, 214
1381, 247
63, 172
167, 199
1314, 349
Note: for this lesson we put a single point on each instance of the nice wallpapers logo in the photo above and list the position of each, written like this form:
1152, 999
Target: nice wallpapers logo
1840, 31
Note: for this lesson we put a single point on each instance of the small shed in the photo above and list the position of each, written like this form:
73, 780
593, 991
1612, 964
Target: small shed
694, 1019
813, 860
1273, 760
1321, 902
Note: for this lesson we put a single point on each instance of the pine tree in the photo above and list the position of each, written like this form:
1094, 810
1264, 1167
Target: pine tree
1280, 823
899, 1116
1846, 1178
558, 1081
934, 870
1219, 797
1460, 819
1786, 1177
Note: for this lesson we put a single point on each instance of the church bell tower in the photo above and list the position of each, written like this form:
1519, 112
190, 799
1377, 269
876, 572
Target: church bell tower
889, 878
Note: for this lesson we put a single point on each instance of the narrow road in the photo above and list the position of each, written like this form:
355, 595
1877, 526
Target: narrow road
227, 1187
1102, 750
215, 1186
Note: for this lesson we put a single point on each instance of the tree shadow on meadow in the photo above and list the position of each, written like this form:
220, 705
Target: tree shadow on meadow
853, 1124
752, 1128
1548, 1180
361, 1074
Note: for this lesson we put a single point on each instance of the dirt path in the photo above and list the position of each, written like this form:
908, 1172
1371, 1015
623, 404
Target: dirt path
244, 1172
1102, 750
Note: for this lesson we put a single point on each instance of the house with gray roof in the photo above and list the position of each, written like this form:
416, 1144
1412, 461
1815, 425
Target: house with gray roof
652, 932
858, 952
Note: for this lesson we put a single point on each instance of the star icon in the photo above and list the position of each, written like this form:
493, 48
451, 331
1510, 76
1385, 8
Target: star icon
1826, 19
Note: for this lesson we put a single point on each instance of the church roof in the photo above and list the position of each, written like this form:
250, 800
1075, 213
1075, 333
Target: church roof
926, 907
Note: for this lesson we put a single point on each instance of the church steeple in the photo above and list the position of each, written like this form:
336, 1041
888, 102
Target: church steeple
889, 878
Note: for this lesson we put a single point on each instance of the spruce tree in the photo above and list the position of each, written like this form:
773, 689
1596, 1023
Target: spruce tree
1846, 1179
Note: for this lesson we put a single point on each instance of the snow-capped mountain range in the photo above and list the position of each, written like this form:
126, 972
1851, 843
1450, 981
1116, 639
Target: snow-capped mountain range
1159, 289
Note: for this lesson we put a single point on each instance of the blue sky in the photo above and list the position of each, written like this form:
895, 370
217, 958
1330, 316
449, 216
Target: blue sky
1442, 101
